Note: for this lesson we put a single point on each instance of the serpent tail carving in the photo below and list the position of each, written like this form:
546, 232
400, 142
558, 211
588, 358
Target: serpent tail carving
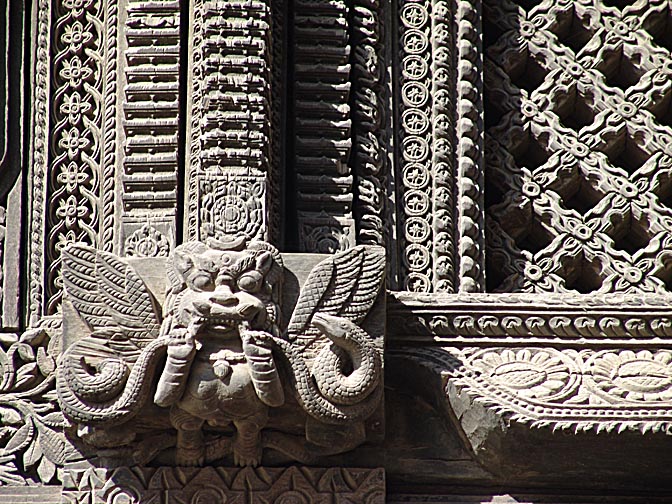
351, 347
73, 391
332, 396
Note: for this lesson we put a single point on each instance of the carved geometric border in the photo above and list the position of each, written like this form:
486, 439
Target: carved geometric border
166, 485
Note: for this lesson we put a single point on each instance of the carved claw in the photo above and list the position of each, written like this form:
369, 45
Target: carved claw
245, 455
190, 457
247, 444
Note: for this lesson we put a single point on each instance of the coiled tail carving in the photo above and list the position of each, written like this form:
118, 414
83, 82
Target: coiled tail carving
76, 387
351, 348
328, 392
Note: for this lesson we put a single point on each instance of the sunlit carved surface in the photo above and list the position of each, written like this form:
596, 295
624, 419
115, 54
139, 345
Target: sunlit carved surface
222, 355
578, 147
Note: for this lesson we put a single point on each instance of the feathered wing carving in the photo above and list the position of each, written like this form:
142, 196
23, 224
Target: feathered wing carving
105, 377
111, 298
345, 284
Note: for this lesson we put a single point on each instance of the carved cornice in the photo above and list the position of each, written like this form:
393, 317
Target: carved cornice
591, 389
580, 362
524, 319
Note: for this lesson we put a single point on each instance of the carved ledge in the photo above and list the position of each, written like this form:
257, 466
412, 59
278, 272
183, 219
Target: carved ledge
520, 369
487, 319
199, 485
530, 416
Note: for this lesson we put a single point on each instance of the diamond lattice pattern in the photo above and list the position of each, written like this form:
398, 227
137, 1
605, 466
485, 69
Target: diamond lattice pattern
578, 146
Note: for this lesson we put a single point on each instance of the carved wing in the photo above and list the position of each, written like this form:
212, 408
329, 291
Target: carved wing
110, 297
346, 285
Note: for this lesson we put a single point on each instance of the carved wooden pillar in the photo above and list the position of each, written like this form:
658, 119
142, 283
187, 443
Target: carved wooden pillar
147, 65
230, 114
439, 152
338, 113
12, 16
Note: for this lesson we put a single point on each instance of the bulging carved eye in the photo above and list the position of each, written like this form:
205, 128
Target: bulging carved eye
250, 281
201, 282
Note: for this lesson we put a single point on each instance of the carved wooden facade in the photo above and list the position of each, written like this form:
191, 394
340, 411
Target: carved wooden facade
510, 159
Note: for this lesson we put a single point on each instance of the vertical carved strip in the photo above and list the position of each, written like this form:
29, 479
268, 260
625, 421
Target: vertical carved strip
470, 227
323, 124
38, 164
148, 180
439, 117
74, 151
369, 122
107, 224
75, 165
442, 149
229, 160
194, 116
414, 143
278, 99
12, 75
5, 168
3, 232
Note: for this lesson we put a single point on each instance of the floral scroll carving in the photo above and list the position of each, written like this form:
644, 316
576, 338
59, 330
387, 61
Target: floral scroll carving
33, 444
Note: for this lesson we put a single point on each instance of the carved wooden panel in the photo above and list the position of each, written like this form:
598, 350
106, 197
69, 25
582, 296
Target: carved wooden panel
339, 112
148, 78
322, 119
12, 83
578, 150
74, 139
230, 113
165, 485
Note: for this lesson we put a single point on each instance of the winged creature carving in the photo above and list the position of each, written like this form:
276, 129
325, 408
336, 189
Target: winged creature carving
216, 355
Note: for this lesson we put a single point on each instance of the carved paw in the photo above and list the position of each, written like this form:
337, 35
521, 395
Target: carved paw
181, 344
246, 453
190, 457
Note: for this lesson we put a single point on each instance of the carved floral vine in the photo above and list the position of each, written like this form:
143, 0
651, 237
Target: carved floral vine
33, 445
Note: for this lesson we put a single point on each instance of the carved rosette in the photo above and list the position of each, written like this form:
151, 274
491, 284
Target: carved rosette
232, 205
147, 241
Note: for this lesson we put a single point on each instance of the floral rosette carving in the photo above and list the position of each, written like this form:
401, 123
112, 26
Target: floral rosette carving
541, 374
626, 375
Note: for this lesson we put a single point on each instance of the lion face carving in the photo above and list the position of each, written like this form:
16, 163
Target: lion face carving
215, 347
218, 286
